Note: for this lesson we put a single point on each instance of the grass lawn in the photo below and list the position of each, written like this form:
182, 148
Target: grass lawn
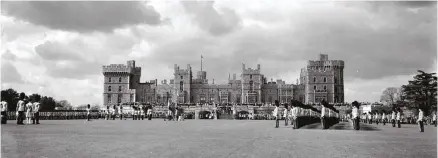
212, 138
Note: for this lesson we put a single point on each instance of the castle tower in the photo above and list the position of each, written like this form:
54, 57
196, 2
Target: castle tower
120, 82
323, 79
182, 84
251, 81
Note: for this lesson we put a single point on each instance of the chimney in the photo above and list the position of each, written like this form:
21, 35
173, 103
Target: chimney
258, 66
243, 66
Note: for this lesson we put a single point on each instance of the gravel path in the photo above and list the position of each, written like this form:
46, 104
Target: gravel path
212, 138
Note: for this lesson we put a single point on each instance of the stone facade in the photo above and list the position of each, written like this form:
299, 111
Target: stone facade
321, 79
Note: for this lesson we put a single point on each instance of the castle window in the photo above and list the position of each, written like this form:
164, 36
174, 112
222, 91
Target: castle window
119, 98
250, 76
120, 88
120, 79
109, 98
181, 77
325, 87
109, 88
109, 79
181, 84
325, 79
314, 79
314, 87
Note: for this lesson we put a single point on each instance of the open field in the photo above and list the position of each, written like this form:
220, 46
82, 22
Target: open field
212, 138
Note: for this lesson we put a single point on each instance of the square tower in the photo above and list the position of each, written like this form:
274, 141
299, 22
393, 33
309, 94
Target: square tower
251, 81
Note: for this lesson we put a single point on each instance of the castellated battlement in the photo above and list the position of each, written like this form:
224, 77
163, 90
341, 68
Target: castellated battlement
122, 68
331, 63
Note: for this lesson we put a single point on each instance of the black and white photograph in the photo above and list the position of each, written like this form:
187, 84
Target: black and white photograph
218, 79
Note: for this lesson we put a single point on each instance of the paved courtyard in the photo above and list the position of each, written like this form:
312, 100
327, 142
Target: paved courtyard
212, 138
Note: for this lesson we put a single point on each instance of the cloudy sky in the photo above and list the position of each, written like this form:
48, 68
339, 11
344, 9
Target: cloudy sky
58, 48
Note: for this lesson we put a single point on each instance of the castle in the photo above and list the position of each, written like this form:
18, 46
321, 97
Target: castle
320, 79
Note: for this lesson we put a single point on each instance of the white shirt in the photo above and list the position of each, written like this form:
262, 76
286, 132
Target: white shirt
393, 115
36, 107
20, 105
383, 116
4, 106
88, 111
322, 111
285, 113
434, 117
420, 115
398, 115
275, 112
29, 106
355, 112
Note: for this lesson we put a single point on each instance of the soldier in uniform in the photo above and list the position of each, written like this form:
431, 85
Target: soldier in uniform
384, 118
36, 112
88, 112
291, 118
398, 117
141, 109
276, 114
285, 114
107, 113
355, 115
4, 111
113, 112
121, 112
434, 119
323, 115
377, 118
20, 110
420, 119
29, 112
393, 117
149, 114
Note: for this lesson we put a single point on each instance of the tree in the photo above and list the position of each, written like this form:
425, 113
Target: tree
64, 105
47, 104
95, 107
391, 95
35, 97
11, 97
422, 92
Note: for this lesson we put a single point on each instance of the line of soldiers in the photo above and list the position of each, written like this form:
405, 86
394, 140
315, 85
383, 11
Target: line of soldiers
26, 110
299, 116
138, 112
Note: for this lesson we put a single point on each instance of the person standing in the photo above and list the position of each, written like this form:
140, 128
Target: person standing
434, 119
36, 112
285, 115
355, 115
276, 114
420, 119
88, 112
384, 118
393, 115
20, 109
142, 113
120, 111
377, 118
290, 115
149, 112
107, 113
323, 116
29, 112
398, 118
4, 111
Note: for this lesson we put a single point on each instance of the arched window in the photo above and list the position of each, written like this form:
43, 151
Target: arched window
325, 87
109, 98
314, 87
109, 79
120, 79
250, 76
251, 85
325, 79
181, 85
109, 88
314, 79
181, 77
120, 88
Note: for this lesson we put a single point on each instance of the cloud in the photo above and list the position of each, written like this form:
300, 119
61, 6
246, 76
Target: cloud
83, 16
57, 51
9, 73
7, 55
215, 22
